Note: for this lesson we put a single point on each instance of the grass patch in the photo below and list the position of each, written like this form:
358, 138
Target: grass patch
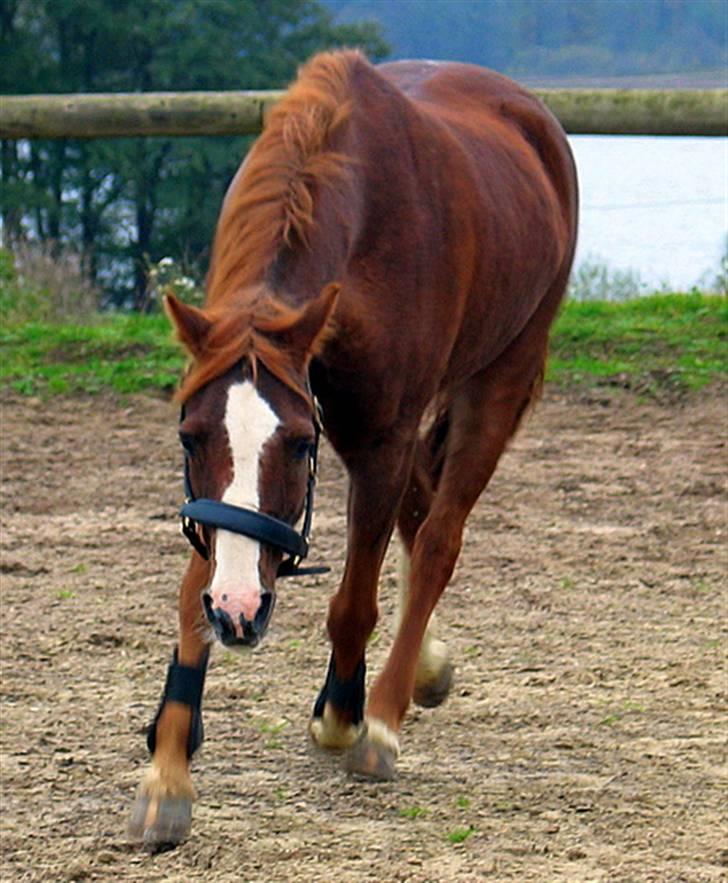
665, 341
413, 812
651, 344
125, 354
459, 835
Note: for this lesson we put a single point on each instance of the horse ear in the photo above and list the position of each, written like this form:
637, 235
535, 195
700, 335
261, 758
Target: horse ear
308, 332
191, 324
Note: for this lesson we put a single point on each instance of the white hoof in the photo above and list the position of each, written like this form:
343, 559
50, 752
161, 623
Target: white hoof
330, 733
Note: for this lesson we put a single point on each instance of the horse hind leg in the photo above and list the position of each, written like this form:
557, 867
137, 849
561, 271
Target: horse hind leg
434, 675
483, 415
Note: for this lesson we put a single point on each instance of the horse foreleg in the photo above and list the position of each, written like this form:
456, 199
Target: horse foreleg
377, 484
162, 812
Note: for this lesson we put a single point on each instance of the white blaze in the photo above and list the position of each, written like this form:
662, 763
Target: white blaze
250, 422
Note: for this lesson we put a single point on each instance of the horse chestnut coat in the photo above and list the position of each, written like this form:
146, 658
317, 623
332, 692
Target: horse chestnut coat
394, 249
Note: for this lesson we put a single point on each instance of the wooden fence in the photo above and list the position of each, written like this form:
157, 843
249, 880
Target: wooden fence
581, 111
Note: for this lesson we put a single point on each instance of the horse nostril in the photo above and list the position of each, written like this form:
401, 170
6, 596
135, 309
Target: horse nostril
220, 620
267, 600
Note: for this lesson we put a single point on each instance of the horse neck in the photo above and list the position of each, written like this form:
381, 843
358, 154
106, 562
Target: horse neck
299, 273
345, 212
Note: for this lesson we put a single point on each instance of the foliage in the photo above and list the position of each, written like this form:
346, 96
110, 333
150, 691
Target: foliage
123, 202
653, 344
593, 280
594, 38
167, 277
38, 284
720, 283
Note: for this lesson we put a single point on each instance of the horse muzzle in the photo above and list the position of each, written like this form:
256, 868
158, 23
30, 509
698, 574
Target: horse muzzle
233, 628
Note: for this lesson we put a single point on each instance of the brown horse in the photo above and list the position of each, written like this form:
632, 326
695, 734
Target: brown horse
395, 248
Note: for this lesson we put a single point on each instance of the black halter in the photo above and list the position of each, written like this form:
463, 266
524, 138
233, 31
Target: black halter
250, 523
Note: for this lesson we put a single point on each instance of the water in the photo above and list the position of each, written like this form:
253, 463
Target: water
657, 206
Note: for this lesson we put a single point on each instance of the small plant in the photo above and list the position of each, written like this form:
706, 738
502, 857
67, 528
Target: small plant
595, 281
460, 835
413, 812
42, 283
610, 720
273, 730
463, 802
720, 284
167, 277
65, 594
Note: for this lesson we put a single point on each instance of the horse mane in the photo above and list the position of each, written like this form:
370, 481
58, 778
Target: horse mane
271, 202
269, 205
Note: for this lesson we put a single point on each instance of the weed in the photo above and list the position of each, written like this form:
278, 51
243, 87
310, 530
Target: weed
460, 835
615, 717
413, 812
273, 729
44, 283
65, 594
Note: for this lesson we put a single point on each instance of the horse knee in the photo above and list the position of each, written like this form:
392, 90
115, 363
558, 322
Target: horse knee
349, 625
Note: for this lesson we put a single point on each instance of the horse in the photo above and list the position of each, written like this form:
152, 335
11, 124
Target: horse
387, 264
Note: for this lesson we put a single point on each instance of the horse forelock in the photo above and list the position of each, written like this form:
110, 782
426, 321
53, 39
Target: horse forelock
246, 333
272, 199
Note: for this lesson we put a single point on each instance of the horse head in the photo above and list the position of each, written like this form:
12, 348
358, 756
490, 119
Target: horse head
249, 432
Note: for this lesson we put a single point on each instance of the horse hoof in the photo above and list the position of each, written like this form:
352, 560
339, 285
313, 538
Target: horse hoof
160, 823
434, 694
329, 733
374, 754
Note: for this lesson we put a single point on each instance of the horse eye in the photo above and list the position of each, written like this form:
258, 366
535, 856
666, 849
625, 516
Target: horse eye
188, 442
302, 448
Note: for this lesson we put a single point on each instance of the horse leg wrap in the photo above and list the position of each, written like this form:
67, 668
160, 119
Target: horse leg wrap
347, 696
184, 684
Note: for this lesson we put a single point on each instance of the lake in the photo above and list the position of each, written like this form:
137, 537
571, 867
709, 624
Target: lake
657, 206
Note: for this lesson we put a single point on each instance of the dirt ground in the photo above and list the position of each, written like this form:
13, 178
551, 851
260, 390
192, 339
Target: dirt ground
585, 736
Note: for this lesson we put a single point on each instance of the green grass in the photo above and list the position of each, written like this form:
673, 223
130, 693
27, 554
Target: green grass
413, 812
121, 353
650, 344
459, 835
675, 341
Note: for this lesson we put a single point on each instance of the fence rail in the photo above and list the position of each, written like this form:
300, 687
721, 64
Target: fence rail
581, 111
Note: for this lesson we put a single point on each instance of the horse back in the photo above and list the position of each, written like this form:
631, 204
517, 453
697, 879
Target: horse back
479, 209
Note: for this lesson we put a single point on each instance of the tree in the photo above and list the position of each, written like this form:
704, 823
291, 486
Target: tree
122, 204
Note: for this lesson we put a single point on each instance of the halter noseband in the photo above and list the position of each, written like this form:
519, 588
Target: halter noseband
251, 523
